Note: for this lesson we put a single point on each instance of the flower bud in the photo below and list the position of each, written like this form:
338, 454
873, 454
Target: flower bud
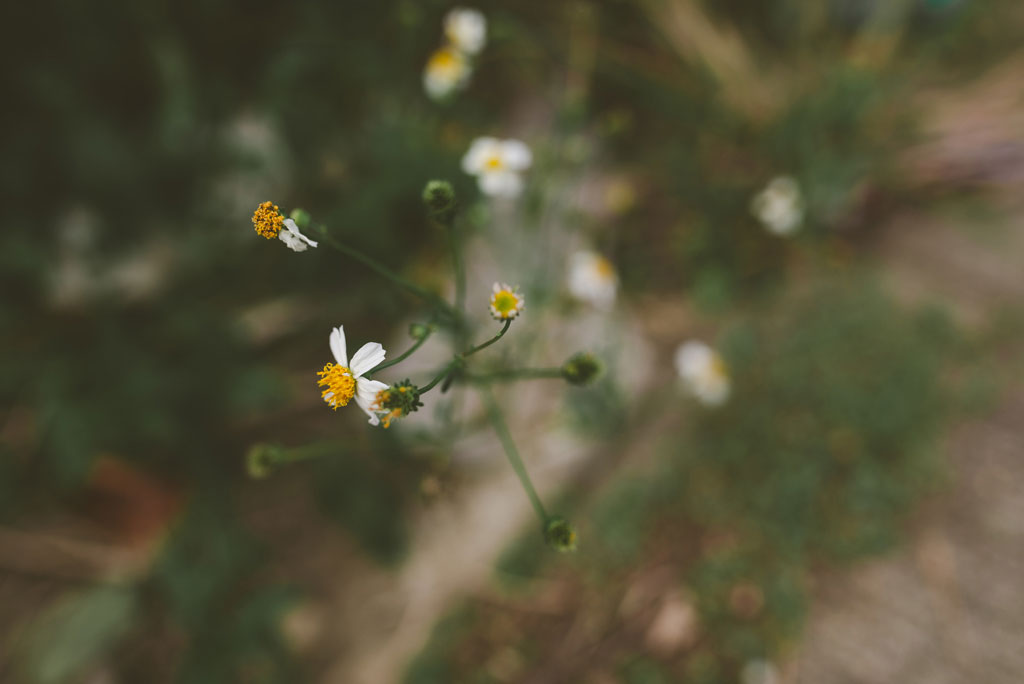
397, 401
419, 331
301, 218
439, 197
261, 460
582, 369
560, 534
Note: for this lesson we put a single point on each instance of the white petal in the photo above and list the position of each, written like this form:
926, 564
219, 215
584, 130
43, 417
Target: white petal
501, 184
367, 390
294, 230
365, 405
692, 358
292, 241
479, 152
338, 347
368, 356
516, 155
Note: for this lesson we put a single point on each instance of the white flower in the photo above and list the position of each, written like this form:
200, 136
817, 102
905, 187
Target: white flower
760, 672
446, 71
592, 279
506, 302
703, 371
344, 381
295, 240
779, 206
497, 164
466, 30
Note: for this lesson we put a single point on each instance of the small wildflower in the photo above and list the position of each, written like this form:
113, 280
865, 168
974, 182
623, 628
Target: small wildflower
704, 372
779, 206
506, 302
344, 381
498, 165
396, 401
267, 220
418, 331
466, 30
582, 369
295, 240
560, 534
261, 459
592, 279
447, 70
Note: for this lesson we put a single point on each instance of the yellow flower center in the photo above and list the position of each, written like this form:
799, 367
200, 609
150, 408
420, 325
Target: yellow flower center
267, 220
717, 368
505, 304
445, 61
338, 383
604, 268
493, 163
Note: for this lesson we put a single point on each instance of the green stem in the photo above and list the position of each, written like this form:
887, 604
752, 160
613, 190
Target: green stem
512, 374
501, 428
398, 359
460, 358
386, 272
458, 265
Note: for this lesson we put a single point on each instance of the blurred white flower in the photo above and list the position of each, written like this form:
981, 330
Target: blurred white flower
295, 240
592, 279
466, 30
344, 381
779, 206
704, 372
498, 165
506, 302
760, 672
446, 71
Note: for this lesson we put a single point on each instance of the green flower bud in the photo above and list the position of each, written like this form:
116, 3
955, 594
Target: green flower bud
582, 369
301, 218
418, 331
560, 534
261, 460
439, 196
399, 400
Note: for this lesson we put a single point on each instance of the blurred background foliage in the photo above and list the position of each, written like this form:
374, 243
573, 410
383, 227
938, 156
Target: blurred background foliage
149, 339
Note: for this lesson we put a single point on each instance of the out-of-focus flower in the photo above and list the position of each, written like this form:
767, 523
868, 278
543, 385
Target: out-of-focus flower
703, 371
344, 381
498, 165
295, 240
779, 206
466, 30
592, 279
560, 534
447, 70
506, 302
760, 672
582, 369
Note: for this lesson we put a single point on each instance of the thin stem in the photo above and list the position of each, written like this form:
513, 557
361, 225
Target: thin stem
458, 265
459, 359
488, 343
386, 272
398, 359
501, 428
512, 374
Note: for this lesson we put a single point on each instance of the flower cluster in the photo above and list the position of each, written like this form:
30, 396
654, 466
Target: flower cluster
450, 67
704, 373
498, 165
779, 206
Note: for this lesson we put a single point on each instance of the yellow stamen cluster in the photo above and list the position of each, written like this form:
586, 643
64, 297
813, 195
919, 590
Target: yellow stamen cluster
493, 163
446, 62
339, 385
506, 303
267, 220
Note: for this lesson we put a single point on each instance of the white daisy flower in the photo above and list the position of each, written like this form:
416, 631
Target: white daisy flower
446, 71
592, 279
704, 372
498, 165
506, 302
295, 240
779, 206
466, 30
344, 381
